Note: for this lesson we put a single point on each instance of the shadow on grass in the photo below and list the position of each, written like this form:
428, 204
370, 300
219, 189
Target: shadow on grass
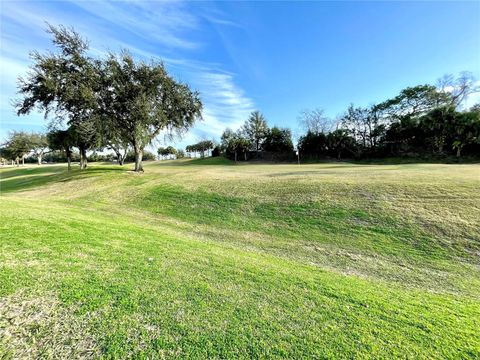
7, 173
18, 179
194, 162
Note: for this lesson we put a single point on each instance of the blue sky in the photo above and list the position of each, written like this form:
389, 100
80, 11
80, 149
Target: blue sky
278, 57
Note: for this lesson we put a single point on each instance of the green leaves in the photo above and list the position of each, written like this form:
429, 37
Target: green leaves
256, 128
105, 101
278, 140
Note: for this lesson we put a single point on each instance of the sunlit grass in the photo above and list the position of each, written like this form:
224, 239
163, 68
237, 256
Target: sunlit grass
205, 258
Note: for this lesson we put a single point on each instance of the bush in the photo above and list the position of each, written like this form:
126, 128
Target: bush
101, 157
147, 155
58, 156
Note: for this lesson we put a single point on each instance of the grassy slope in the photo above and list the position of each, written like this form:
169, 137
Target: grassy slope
198, 258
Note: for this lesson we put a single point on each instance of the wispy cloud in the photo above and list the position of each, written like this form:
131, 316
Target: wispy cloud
161, 21
169, 31
225, 105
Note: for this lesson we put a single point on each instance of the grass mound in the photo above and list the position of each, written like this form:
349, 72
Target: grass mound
312, 261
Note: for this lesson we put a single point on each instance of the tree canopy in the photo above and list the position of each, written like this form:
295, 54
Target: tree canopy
142, 99
256, 129
111, 101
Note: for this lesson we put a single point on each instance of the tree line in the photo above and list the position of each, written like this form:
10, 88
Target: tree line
113, 102
255, 135
421, 121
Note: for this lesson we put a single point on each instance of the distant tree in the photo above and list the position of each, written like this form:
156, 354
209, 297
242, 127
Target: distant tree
315, 121
172, 150
278, 140
166, 152
18, 145
466, 130
112, 140
413, 101
439, 123
62, 140
313, 144
339, 142
201, 147
241, 144
204, 146
226, 139
475, 108
234, 143
143, 99
191, 149
147, 156
120, 149
39, 146
358, 121
85, 136
180, 154
256, 129
456, 90
161, 152
6, 154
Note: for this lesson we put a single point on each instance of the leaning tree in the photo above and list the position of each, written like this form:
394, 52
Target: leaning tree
65, 83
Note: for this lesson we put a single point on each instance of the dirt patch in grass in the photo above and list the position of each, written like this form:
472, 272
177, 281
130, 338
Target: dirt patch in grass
40, 327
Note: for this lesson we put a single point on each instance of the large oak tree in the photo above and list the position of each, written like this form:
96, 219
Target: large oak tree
141, 100
109, 101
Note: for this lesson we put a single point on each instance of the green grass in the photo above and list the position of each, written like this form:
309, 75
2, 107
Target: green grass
207, 259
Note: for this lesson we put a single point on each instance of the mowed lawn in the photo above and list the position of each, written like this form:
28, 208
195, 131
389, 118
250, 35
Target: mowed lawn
207, 259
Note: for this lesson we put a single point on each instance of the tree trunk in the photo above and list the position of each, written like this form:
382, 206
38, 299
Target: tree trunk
245, 153
83, 158
23, 160
235, 155
138, 159
459, 151
39, 159
69, 161
439, 142
120, 158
